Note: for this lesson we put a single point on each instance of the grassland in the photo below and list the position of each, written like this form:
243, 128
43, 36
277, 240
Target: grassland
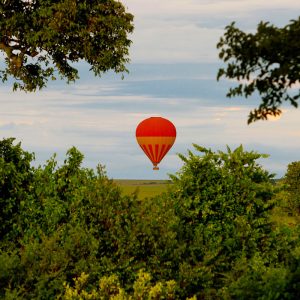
151, 188
144, 188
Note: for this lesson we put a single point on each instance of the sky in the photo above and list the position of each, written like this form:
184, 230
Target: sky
172, 73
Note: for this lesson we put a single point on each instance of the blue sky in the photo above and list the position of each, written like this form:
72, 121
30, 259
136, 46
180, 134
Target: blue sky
173, 71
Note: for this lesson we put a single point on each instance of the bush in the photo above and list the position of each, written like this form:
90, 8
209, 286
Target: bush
223, 201
209, 237
110, 288
76, 220
16, 177
72, 221
255, 279
292, 180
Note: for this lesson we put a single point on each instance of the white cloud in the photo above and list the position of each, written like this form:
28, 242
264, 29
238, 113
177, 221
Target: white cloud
101, 122
100, 116
188, 31
166, 42
171, 7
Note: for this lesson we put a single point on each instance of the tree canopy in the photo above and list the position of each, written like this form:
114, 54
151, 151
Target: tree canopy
69, 232
41, 38
267, 62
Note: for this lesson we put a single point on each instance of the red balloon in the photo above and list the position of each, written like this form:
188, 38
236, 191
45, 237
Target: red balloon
156, 136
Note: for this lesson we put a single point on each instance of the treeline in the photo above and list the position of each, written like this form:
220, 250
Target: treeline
67, 232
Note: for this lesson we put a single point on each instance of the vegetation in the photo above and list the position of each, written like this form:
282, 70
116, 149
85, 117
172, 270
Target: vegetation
266, 62
292, 181
43, 38
69, 232
110, 287
143, 188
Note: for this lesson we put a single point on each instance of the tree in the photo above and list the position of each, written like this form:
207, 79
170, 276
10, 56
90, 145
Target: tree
209, 236
223, 201
16, 176
267, 62
110, 288
41, 38
292, 179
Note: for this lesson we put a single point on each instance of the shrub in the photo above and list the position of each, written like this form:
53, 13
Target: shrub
292, 180
209, 237
223, 201
72, 221
110, 288
16, 177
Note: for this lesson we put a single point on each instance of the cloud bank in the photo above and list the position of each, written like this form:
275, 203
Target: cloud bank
172, 74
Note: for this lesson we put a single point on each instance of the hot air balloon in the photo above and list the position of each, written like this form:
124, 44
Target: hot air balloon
156, 136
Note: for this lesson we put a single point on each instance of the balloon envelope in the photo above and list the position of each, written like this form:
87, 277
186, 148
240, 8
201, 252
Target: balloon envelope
156, 136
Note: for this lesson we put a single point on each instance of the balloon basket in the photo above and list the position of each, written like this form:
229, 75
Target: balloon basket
155, 168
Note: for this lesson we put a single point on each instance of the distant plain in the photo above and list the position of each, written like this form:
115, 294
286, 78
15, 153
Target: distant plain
144, 188
151, 188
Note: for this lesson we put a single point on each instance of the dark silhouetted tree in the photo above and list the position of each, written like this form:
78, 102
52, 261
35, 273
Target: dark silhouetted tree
42, 38
267, 62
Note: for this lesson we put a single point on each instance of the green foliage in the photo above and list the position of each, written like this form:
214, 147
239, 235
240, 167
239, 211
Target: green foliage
16, 177
110, 288
257, 281
209, 237
292, 180
40, 38
223, 202
269, 274
70, 223
266, 62
75, 220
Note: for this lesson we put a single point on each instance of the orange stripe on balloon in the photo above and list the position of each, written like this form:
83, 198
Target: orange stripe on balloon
155, 147
167, 148
151, 152
145, 149
162, 152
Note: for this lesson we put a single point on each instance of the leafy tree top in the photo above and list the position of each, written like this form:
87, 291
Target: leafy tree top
267, 62
42, 37
292, 176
